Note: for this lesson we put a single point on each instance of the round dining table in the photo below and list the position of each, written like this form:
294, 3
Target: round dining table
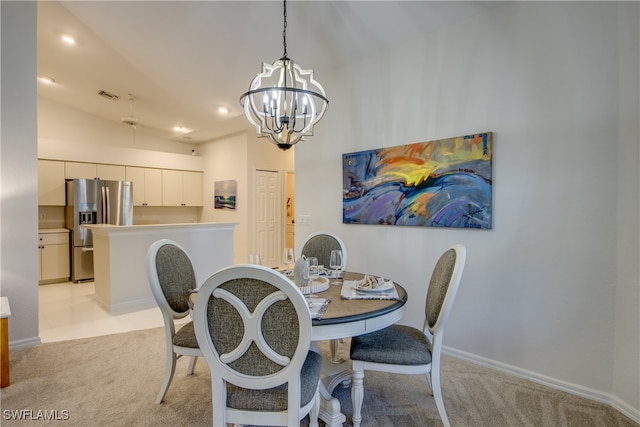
346, 318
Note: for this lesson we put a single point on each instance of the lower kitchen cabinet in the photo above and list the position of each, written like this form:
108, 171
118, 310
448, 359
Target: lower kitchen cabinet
53, 248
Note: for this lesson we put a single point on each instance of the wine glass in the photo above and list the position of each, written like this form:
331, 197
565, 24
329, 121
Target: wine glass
313, 265
287, 258
255, 259
335, 262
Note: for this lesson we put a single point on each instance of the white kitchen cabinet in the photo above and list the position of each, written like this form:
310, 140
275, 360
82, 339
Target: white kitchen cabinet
94, 171
53, 248
111, 172
181, 188
192, 188
75, 170
147, 185
171, 188
51, 189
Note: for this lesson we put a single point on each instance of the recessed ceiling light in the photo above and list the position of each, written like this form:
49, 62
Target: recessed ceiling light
180, 129
68, 39
47, 80
223, 110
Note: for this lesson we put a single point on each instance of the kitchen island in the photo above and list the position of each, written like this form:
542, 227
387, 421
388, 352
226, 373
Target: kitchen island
120, 258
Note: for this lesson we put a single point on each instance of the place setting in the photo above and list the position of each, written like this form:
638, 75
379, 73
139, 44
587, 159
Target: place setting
369, 287
305, 276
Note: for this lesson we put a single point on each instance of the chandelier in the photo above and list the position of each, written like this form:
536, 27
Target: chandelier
284, 102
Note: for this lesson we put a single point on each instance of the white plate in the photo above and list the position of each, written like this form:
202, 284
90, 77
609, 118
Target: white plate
386, 286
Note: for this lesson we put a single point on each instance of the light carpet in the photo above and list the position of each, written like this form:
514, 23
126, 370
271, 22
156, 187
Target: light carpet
113, 381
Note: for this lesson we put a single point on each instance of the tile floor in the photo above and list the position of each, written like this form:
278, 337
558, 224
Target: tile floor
69, 311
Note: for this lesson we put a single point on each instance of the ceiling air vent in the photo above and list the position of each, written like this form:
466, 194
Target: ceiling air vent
108, 95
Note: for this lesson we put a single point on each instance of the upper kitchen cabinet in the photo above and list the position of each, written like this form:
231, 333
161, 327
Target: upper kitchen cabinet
147, 185
111, 172
181, 188
73, 170
94, 171
192, 188
51, 190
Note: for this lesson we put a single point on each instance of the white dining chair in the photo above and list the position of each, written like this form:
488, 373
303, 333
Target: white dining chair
402, 349
254, 328
172, 279
319, 245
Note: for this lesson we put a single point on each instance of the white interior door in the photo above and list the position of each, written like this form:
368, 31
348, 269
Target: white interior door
268, 217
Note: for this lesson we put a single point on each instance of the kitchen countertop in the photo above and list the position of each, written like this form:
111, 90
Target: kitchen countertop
52, 230
106, 229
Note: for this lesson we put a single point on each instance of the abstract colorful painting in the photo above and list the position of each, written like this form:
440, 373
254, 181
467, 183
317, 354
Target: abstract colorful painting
224, 196
442, 183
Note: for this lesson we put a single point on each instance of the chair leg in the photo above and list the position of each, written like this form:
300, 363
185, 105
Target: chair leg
428, 375
437, 395
168, 375
192, 364
357, 395
315, 410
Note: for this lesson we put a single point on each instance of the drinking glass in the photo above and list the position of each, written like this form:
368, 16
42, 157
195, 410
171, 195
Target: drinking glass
304, 278
287, 258
335, 262
313, 265
255, 259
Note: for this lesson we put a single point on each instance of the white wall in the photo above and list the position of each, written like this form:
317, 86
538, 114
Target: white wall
626, 335
18, 173
237, 157
543, 294
59, 122
225, 160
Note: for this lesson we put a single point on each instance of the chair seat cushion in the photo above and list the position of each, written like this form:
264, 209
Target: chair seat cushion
186, 337
395, 345
275, 399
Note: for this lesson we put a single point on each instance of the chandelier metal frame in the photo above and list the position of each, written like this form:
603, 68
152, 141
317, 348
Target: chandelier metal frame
284, 102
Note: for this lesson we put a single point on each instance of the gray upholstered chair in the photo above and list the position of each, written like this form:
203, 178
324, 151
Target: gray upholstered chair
254, 328
406, 350
320, 244
171, 278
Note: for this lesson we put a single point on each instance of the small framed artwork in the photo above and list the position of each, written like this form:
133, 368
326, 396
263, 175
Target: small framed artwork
224, 196
442, 183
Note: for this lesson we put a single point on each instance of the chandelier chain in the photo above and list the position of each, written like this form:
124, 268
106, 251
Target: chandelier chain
284, 30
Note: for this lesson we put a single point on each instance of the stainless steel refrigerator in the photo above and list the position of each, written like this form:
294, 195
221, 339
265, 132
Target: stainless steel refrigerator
94, 201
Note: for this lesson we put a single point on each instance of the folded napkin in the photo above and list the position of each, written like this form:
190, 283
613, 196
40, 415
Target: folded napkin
317, 307
350, 291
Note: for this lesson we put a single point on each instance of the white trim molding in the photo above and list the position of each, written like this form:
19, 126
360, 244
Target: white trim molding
575, 389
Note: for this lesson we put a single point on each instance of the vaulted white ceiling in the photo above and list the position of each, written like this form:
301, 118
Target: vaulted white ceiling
181, 60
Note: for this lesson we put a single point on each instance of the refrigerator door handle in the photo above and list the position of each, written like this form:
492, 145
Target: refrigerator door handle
108, 206
102, 216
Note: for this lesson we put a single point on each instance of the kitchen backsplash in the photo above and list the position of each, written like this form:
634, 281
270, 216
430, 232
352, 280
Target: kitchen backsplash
50, 217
